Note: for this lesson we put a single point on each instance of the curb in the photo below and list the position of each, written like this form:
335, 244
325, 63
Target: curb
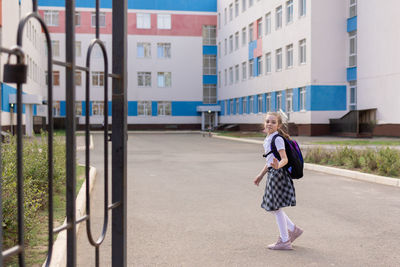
59, 255
331, 170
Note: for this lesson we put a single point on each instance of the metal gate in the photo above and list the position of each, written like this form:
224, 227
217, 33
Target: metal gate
16, 73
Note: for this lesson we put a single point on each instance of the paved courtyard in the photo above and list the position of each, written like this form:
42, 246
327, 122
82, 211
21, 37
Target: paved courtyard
192, 202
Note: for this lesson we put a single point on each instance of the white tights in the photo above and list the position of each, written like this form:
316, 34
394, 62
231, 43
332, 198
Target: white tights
284, 224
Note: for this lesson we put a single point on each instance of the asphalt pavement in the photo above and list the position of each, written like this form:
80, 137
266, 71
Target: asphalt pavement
192, 202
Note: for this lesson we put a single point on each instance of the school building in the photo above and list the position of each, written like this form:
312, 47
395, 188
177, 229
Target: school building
330, 66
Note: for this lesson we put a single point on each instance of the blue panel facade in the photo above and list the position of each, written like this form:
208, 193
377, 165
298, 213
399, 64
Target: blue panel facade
296, 99
252, 46
210, 79
185, 108
308, 97
153, 108
273, 101
132, 108
181, 5
222, 104
6, 90
83, 103
209, 50
352, 24
63, 108
352, 74
34, 110
109, 108
264, 103
283, 101
325, 97
255, 67
240, 105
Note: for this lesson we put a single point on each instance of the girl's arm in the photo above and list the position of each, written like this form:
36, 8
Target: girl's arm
284, 160
261, 175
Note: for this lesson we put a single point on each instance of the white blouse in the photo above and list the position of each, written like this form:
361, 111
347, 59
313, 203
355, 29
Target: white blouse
279, 143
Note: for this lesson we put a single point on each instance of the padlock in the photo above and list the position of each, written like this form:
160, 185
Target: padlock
14, 73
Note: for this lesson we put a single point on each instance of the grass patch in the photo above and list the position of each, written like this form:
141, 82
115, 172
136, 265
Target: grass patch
360, 142
242, 134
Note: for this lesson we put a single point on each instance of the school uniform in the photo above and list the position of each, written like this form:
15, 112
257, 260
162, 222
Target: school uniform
279, 189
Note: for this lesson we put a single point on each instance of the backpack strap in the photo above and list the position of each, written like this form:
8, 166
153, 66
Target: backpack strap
273, 147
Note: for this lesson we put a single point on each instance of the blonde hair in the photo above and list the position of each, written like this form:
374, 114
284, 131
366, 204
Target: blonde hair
282, 127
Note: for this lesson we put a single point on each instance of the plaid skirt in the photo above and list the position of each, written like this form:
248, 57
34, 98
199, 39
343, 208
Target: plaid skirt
279, 190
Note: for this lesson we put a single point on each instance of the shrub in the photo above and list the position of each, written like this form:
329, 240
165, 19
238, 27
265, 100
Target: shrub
35, 173
388, 162
368, 160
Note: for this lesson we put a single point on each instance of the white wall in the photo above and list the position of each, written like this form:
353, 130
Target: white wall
378, 69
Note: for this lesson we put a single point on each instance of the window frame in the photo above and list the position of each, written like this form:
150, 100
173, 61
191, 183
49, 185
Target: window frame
302, 52
278, 17
143, 21
278, 59
102, 20
164, 21
166, 79
145, 75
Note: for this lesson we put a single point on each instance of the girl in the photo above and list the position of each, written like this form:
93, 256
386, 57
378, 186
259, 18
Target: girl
279, 191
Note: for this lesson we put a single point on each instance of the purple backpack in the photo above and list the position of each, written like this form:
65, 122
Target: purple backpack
295, 163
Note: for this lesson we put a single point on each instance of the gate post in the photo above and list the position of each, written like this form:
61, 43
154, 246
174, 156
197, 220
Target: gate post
119, 133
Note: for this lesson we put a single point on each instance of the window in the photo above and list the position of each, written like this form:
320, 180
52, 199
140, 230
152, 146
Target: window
236, 8
231, 44
56, 108
268, 102
353, 96
55, 47
268, 23
78, 78
251, 2
244, 105
259, 28
226, 106
219, 79
353, 8
289, 11
251, 104
231, 106
51, 17
209, 94
230, 75
164, 108
102, 19
268, 63
78, 108
209, 35
259, 66
97, 78
225, 46
353, 49
225, 16
144, 108
251, 68
244, 71
144, 79
164, 21
209, 65
78, 48
56, 77
302, 99
164, 50
278, 101
97, 52
236, 40
219, 20
164, 79
302, 8
302, 51
219, 49
278, 17
77, 19
143, 50
236, 73
237, 106
226, 77
289, 56
289, 100
230, 12
243, 36
278, 59
97, 108
259, 100
143, 21
244, 5
251, 32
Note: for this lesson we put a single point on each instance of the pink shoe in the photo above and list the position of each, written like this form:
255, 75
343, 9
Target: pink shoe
279, 245
295, 234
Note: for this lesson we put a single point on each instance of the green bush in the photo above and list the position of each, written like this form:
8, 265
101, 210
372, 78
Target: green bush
35, 171
384, 161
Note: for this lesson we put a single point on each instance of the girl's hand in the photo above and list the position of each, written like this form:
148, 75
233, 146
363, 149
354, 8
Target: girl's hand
275, 164
258, 180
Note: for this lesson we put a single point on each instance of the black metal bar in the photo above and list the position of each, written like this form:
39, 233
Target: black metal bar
119, 133
97, 19
70, 131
